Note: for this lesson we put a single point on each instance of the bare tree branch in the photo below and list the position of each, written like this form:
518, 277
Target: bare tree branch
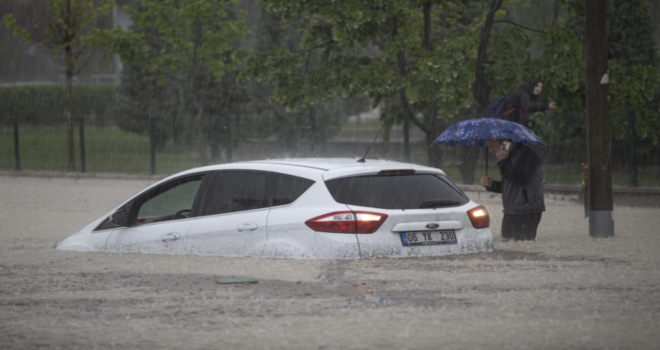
479, 89
521, 26
315, 46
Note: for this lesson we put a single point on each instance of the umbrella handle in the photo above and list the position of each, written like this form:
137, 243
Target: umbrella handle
486, 161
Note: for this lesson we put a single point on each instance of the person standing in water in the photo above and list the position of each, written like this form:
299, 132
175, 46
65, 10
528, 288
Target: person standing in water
521, 188
521, 103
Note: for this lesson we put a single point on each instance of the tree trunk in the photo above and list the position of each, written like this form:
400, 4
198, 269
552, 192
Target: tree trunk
203, 159
214, 141
71, 167
479, 89
434, 152
480, 93
387, 129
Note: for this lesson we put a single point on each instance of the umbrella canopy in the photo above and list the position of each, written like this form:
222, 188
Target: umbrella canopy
475, 132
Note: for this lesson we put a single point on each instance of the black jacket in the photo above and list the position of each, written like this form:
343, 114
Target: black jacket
522, 182
522, 102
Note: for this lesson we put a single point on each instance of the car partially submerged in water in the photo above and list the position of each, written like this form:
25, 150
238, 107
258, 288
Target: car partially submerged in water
297, 209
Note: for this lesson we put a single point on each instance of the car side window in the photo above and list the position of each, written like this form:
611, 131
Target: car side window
232, 191
172, 201
285, 189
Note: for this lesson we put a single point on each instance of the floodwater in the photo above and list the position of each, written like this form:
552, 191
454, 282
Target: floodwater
564, 291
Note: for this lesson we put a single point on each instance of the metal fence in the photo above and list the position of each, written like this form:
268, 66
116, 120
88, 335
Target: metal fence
103, 146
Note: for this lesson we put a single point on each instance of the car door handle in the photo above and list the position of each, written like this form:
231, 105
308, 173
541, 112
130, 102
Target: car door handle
248, 226
172, 236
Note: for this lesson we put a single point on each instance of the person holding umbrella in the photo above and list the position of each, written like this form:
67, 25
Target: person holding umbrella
522, 175
521, 188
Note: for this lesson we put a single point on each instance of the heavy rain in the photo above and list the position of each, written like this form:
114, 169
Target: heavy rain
101, 99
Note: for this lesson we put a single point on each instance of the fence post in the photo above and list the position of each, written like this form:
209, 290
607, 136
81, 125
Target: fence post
633, 148
152, 144
82, 144
228, 138
17, 154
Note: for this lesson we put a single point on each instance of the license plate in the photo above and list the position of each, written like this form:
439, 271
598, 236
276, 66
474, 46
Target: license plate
428, 238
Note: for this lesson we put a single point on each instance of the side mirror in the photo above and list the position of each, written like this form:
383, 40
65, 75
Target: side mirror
119, 218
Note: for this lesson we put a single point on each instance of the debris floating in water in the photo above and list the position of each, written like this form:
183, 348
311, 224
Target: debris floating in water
233, 280
373, 299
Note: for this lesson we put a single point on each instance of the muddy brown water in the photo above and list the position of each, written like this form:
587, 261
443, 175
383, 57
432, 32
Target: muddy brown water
564, 291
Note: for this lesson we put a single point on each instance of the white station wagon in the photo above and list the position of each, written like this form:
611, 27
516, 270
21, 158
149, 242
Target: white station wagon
297, 209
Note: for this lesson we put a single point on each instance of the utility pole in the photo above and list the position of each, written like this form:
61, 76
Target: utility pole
600, 201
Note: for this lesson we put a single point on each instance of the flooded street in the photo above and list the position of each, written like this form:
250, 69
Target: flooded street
564, 291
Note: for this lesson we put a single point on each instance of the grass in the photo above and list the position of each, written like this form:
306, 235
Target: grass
106, 150
115, 151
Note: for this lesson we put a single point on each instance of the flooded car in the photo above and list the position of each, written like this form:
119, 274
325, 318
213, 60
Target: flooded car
296, 209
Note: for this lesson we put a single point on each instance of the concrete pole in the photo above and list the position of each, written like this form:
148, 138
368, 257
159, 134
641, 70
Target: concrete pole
601, 223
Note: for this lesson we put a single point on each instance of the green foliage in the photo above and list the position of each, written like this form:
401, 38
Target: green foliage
262, 120
630, 33
633, 67
140, 96
630, 89
63, 27
573, 7
376, 49
165, 93
632, 86
184, 42
509, 51
562, 67
59, 26
48, 104
196, 33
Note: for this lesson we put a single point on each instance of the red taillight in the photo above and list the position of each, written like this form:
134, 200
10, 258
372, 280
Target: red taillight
347, 222
479, 217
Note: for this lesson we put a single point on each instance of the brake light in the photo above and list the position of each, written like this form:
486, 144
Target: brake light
347, 222
479, 217
396, 172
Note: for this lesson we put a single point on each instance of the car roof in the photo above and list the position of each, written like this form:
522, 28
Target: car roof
330, 167
337, 163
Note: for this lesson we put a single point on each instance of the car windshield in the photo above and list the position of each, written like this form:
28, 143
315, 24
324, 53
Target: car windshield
409, 191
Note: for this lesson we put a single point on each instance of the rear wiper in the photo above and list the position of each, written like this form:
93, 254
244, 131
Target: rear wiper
438, 203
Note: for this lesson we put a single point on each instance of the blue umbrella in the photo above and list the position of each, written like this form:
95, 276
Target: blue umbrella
475, 132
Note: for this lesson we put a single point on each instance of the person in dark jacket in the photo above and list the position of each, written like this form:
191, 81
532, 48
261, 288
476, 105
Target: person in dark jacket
521, 188
521, 103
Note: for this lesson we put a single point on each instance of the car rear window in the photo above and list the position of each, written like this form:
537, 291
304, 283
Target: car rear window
408, 191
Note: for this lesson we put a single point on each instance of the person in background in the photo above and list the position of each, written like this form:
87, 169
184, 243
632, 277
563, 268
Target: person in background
521, 188
521, 103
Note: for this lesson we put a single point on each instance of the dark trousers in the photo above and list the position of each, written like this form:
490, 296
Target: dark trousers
520, 227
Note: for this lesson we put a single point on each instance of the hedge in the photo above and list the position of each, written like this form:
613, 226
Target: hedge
48, 104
